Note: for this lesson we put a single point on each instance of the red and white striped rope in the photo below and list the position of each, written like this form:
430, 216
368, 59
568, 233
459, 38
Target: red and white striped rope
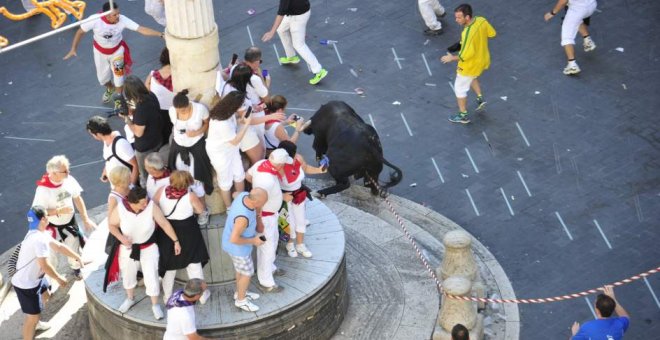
478, 299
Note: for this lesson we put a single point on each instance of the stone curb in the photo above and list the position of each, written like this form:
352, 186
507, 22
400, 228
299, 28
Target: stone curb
412, 211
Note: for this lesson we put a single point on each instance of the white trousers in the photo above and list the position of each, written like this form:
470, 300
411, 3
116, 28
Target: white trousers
266, 252
430, 10
148, 264
573, 20
296, 218
72, 242
110, 67
156, 8
194, 270
292, 33
228, 166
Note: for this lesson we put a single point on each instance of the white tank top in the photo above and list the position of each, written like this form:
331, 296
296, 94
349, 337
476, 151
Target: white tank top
139, 227
164, 95
154, 184
271, 140
183, 210
294, 171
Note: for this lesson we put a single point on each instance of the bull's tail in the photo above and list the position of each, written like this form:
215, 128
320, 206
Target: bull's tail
395, 176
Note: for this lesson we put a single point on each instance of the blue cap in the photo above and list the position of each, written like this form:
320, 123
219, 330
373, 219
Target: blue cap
33, 220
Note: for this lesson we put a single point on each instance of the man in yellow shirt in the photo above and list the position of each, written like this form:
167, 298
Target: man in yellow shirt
473, 58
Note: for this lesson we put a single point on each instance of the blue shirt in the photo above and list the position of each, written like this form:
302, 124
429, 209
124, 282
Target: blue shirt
238, 209
603, 329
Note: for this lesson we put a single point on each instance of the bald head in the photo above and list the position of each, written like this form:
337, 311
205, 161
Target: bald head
258, 197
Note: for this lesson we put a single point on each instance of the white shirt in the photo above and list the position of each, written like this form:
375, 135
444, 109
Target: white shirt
29, 273
581, 3
164, 95
108, 35
154, 184
123, 150
139, 227
256, 89
296, 183
183, 210
60, 197
199, 114
180, 323
220, 133
270, 183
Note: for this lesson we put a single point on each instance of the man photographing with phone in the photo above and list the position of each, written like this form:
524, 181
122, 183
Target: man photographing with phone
238, 238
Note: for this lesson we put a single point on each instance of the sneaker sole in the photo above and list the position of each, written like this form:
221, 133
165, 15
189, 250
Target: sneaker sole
481, 107
246, 309
571, 73
290, 62
314, 82
459, 121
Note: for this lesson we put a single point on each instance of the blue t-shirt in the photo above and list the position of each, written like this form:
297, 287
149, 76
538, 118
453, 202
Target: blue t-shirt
603, 329
239, 209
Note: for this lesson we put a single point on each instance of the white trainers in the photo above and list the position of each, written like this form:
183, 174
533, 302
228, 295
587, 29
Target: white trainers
158, 313
302, 249
205, 296
248, 295
571, 69
42, 326
291, 249
588, 44
126, 305
246, 305
203, 218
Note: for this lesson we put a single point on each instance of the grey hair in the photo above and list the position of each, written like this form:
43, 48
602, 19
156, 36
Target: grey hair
193, 287
153, 160
253, 53
56, 163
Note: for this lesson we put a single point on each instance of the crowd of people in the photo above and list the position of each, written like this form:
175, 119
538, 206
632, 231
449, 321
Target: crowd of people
175, 152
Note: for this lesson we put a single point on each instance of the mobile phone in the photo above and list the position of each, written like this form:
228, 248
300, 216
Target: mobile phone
249, 110
182, 131
296, 117
263, 238
264, 73
234, 57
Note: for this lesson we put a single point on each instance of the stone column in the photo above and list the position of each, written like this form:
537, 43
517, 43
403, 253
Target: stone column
459, 260
192, 39
454, 311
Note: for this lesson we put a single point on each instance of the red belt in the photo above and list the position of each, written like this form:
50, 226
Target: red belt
146, 245
267, 213
128, 61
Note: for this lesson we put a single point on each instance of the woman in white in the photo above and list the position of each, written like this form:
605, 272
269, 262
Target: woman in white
275, 131
188, 152
160, 81
223, 140
239, 80
133, 223
292, 176
179, 205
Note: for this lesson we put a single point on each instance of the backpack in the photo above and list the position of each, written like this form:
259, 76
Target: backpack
11, 263
114, 153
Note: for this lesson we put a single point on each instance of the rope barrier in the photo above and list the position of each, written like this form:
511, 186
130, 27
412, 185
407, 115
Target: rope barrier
478, 299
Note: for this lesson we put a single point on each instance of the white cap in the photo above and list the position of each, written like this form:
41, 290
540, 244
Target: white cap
280, 156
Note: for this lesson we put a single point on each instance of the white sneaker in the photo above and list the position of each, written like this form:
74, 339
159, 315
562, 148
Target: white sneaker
588, 44
302, 249
571, 69
246, 305
158, 313
203, 218
291, 249
205, 296
248, 295
126, 305
42, 326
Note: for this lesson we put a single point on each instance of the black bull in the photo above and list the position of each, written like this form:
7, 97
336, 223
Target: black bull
352, 146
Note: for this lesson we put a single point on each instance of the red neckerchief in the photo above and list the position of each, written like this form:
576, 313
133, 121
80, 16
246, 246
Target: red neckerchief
267, 167
128, 61
166, 173
291, 171
128, 207
167, 82
174, 194
46, 182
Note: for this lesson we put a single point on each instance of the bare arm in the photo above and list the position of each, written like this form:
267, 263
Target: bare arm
50, 271
197, 204
138, 130
74, 45
167, 228
240, 223
113, 228
202, 130
558, 6
134, 172
82, 209
64, 249
195, 336
308, 169
619, 310
241, 133
147, 82
146, 31
269, 35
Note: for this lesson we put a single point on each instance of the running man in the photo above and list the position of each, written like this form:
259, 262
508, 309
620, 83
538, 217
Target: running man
578, 15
